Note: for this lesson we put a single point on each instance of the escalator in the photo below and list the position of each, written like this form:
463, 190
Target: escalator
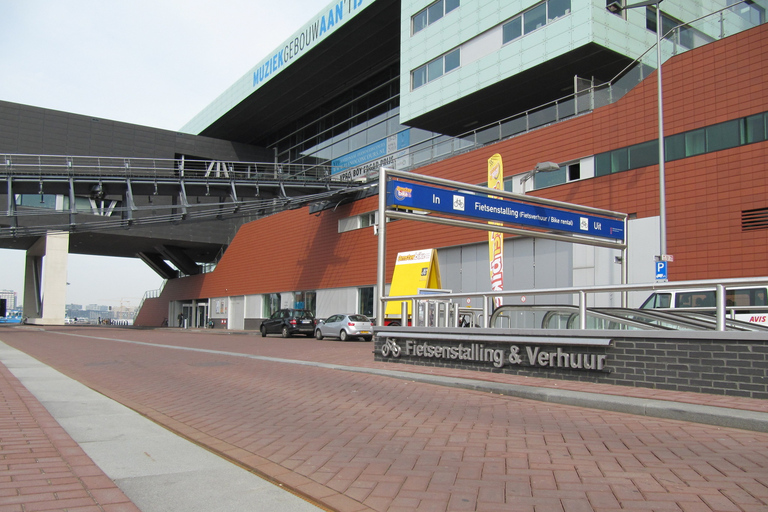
568, 317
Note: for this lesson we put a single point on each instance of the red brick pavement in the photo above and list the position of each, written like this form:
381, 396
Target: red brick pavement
41, 467
355, 441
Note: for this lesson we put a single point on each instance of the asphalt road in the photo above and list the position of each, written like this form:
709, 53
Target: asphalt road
354, 440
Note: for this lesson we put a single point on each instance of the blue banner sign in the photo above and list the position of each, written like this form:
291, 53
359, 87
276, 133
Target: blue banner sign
374, 152
421, 197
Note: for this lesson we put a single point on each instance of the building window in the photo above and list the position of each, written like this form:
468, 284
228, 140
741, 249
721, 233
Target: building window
365, 301
512, 30
573, 171
534, 18
643, 155
723, 136
695, 143
620, 160
436, 68
36, 200
305, 300
368, 219
271, 304
419, 77
675, 30
557, 9
748, 10
364, 220
432, 13
755, 128
568, 172
550, 179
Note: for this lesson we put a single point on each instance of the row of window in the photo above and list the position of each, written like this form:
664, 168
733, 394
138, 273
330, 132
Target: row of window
534, 18
436, 68
524, 23
432, 13
729, 134
308, 300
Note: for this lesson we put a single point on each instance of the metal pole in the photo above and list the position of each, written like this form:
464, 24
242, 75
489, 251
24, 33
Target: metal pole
382, 246
624, 272
720, 307
625, 264
582, 309
662, 186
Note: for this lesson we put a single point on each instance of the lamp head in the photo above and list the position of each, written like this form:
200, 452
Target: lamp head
546, 167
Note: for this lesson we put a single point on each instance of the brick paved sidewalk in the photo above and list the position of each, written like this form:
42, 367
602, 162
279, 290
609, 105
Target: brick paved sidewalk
355, 441
41, 467
360, 355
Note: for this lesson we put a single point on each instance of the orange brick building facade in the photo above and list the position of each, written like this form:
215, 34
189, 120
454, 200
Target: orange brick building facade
706, 194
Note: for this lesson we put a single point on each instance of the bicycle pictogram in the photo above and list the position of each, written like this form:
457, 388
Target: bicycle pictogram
390, 347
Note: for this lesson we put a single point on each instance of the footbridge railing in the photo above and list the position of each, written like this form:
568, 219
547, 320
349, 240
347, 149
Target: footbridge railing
120, 191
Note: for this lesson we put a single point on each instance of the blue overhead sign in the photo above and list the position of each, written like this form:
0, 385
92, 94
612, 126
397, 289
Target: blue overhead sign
421, 197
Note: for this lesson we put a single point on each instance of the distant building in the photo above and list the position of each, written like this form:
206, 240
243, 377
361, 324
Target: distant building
10, 298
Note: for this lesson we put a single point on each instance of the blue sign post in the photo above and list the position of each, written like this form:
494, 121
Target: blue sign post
421, 197
661, 270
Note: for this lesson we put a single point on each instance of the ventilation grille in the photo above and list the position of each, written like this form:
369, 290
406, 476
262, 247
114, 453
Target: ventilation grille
754, 219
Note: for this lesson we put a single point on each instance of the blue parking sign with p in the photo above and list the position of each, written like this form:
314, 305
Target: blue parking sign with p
661, 270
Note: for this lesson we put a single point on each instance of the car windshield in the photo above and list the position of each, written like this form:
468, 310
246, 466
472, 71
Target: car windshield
358, 318
302, 313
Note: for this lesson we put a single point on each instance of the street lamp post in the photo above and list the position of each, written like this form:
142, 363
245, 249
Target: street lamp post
540, 167
662, 187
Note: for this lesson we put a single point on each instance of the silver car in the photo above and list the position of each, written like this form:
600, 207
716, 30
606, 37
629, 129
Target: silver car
345, 327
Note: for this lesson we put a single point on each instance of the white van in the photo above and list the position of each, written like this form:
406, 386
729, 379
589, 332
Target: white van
745, 304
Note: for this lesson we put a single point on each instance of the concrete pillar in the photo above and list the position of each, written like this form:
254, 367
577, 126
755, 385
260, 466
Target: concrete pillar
45, 280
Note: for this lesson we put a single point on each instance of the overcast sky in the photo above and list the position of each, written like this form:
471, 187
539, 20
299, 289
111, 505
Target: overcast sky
149, 62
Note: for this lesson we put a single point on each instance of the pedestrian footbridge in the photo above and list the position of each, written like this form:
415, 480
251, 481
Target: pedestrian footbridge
181, 211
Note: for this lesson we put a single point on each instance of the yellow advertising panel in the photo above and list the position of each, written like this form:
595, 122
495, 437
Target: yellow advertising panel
496, 240
413, 270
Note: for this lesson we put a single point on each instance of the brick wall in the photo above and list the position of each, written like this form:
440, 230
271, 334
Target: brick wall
714, 364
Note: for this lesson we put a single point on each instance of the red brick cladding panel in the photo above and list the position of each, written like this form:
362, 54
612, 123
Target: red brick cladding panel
153, 312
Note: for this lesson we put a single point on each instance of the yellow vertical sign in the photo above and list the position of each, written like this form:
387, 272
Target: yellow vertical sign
496, 240
413, 270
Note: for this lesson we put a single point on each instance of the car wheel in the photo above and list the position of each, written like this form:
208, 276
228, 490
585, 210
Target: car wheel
263, 331
318, 334
286, 333
343, 336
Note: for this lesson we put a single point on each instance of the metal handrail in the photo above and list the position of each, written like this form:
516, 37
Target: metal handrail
68, 165
583, 293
